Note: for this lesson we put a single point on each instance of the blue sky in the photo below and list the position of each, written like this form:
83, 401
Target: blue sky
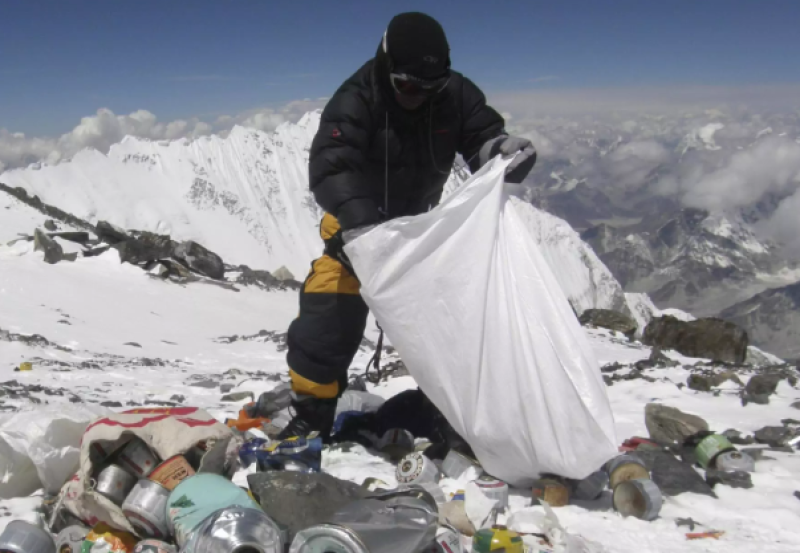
62, 60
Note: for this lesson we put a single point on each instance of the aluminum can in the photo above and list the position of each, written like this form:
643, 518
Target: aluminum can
115, 484
640, 498
23, 537
494, 489
172, 472
735, 460
711, 446
70, 539
146, 509
154, 546
416, 468
497, 539
233, 529
137, 458
459, 466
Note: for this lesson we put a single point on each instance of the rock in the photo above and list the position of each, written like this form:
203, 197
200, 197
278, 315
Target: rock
109, 233
144, 247
720, 378
757, 454
71, 257
283, 274
238, 396
759, 388
77, 237
796, 405
797, 495
299, 500
612, 320
50, 225
672, 476
225, 388
53, 252
775, 436
178, 398
699, 383
111, 404
133, 344
199, 259
709, 338
204, 384
735, 437
734, 478
96, 251
790, 422
668, 425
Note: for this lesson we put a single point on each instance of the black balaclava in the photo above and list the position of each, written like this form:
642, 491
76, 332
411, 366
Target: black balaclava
416, 44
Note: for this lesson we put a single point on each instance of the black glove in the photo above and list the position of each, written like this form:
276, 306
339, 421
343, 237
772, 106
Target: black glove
506, 145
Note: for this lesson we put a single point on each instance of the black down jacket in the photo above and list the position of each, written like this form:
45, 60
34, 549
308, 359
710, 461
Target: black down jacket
362, 127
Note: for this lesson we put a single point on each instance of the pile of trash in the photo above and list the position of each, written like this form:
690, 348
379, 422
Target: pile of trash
160, 481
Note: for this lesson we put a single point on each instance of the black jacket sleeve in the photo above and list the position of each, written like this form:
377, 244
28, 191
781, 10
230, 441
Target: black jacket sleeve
480, 123
337, 159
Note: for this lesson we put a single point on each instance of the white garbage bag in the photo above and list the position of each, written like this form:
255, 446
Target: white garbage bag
481, 323
40, 448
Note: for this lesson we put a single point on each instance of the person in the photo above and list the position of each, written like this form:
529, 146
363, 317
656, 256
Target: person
385, 147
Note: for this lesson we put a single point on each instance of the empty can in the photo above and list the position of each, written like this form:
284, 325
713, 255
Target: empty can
640, 498
70, 539
325, 538
497, 538
146, 509
625, 467
115, 484
105, 538
735, 460
590, 487
197, 497
458, 466
236, 529
552, 490
448, 540
137, 458
154, 546
171, 472
416, 468
494, 489
711, 446
24, 537
396, 443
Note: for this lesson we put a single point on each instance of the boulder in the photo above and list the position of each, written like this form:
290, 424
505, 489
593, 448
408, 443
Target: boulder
733, 478
668, 425
672, 476
709, 338
50, 225
283, 274
656, 359
145, 247
200, 259
298, 500
759, 388
735, 437
77, 237
53, 252
110, 234
699, 383
775, 436
612, 320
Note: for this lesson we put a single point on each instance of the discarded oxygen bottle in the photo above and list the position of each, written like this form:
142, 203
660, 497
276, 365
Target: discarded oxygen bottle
498, 539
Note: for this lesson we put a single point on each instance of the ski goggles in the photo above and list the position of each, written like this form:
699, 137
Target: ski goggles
408, 85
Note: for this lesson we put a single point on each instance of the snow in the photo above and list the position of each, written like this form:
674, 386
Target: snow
93, 309
678, 314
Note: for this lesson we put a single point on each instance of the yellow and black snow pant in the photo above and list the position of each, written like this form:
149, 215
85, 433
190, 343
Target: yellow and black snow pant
325, 336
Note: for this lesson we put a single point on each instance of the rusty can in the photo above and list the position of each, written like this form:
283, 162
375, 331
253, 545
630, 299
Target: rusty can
114, 484
137, 458
552, 490
625, 467
146, 509
171, 472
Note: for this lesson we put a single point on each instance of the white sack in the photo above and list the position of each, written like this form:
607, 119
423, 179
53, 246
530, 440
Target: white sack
41, 448
484, 328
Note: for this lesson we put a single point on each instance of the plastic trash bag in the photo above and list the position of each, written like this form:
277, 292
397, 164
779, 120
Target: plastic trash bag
481, 323
41, 448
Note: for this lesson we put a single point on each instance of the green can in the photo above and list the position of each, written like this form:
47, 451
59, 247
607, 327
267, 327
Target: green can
497, 539
711, 446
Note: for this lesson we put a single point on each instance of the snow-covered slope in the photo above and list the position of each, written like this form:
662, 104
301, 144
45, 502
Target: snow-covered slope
244, 196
